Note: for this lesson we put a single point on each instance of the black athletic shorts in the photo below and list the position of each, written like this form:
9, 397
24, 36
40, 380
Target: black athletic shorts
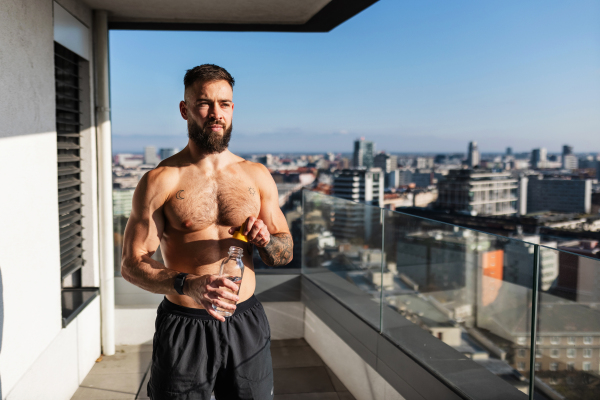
194, 354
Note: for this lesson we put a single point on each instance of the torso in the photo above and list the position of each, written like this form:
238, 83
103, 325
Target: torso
197, 217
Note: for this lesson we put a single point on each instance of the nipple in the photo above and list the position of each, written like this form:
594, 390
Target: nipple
239, 235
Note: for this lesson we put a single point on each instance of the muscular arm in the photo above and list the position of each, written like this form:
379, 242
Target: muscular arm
279, 249
142, 237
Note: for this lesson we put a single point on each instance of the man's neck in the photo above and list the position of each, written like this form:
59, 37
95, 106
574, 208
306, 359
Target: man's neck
202, 158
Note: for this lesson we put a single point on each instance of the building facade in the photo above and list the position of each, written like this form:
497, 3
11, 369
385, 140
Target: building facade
473, 156
559, 195
478, 192
364, 156
386, 162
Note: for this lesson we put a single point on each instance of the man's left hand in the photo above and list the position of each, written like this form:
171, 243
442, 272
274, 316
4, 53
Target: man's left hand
255, 230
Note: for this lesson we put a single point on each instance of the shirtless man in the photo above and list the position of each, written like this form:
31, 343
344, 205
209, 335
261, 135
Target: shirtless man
191, 204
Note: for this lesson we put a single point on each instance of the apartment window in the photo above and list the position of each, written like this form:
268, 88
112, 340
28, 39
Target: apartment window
538, 352
571, 353
587, 340
521, 353
554, 353
539, 340
70, 98
587, 366
587, 353
554, 340
538, 366
571, 366
553, 366
521, 366
571, 340
553, 381
521, 340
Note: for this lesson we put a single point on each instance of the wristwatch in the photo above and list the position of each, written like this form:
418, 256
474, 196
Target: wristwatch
179, 281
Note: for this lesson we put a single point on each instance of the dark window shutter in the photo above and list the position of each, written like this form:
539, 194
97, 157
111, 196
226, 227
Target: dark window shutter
68, 115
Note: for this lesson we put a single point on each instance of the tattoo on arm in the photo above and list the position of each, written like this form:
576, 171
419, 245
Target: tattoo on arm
279, 250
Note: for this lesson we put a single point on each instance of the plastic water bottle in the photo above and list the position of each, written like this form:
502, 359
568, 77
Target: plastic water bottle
232, 268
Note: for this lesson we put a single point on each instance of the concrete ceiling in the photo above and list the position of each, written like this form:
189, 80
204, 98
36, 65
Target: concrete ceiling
252, 15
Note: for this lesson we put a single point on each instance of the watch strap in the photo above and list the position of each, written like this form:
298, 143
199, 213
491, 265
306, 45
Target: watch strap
179, 281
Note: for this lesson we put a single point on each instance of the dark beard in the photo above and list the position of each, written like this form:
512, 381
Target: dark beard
206, 140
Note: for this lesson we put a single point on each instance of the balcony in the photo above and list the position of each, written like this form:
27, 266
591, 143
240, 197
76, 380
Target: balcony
398, 306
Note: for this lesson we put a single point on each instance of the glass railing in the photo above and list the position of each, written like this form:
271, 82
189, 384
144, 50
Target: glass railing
490, 298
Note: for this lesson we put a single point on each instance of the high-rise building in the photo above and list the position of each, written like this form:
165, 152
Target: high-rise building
150, 156
364, 186
509, 151
361, 186
539, 158
478, 192
168, 152
559, 195
569, 160
398, 177
386, 162
473, 157
363, 153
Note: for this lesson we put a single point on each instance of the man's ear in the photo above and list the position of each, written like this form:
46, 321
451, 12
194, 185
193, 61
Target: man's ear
183, 109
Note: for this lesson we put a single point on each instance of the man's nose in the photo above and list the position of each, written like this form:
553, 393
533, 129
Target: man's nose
217, 113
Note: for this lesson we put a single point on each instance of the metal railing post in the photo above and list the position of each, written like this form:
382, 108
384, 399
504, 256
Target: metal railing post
382, 217
534, 314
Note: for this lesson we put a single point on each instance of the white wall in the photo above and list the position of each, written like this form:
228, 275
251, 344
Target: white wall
30, 258
62, 366
35, 350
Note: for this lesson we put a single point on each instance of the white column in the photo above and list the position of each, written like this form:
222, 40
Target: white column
105, 217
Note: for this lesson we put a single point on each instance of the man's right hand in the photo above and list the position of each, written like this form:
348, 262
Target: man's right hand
207, 290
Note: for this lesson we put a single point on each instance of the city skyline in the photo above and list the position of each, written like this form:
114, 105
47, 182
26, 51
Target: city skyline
411, 77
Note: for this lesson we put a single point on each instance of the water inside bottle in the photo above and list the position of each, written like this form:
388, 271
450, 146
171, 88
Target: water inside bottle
225, 312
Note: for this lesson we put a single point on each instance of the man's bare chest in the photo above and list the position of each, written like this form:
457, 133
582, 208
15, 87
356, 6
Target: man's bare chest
200, 203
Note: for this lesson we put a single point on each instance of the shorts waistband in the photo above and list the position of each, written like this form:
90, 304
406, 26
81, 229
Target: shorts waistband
200, 313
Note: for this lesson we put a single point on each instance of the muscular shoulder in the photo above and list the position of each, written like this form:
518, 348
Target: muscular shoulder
258, 172
157, 184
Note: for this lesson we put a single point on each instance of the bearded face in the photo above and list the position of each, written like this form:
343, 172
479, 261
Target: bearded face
206, 139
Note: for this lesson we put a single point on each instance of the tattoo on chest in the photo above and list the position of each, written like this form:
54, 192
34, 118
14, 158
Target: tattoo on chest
179, 195
251, 191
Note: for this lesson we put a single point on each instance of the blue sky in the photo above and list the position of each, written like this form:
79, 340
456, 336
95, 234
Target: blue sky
414, 76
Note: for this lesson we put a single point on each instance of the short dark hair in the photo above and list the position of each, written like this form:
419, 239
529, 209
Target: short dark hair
207, 73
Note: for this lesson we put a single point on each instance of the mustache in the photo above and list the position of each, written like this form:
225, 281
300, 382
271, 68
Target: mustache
213, 122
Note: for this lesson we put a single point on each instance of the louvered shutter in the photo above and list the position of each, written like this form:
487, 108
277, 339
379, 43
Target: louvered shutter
68, 113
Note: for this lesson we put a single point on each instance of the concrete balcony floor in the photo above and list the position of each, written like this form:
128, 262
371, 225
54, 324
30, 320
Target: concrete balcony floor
299, 373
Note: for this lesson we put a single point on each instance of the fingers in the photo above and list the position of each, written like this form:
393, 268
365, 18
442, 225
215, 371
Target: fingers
215, 314
233, 229
257, 232
249, 224
223, 281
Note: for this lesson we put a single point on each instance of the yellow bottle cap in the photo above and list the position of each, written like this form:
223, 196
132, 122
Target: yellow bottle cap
239, 235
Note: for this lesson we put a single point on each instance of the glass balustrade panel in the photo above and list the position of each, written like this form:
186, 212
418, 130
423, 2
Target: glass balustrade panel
341, 252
